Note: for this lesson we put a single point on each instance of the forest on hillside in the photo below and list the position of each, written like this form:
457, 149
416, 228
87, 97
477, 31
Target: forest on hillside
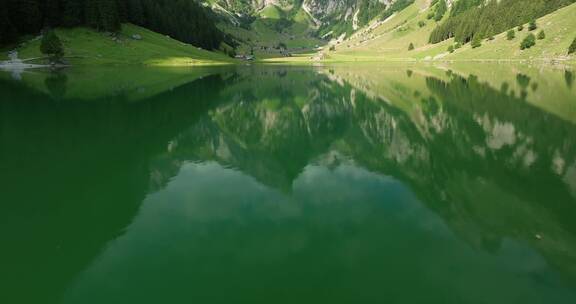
185, 20
471, 19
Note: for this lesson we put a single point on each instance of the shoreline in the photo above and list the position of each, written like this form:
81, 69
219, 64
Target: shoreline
12, 66
21, 66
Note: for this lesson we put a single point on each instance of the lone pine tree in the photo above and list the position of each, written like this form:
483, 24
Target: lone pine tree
51, 46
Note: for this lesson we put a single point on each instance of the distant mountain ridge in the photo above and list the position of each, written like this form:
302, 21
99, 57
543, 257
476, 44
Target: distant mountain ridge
345, 14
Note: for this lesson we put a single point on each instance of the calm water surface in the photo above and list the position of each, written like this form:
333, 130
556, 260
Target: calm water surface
289, 185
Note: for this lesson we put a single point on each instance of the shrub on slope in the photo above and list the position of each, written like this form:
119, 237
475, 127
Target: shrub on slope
492, 18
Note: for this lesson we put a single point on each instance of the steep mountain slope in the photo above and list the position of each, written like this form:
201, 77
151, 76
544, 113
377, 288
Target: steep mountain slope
391, 39
265, 26
375, 30
320, 11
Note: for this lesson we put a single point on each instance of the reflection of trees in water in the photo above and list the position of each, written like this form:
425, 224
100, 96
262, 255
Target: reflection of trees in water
523, 80
56, 84
481, 158
475, 133
569, 78
76, 174
517, 150
491, 165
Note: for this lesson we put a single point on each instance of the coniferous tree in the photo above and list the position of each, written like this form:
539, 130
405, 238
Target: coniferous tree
532, 25
488, 32
461, 6
411, 46
136, 12
511, 34
51, 46
123, 10
440, 10
528, 42
185, 20
469, 18
26, 15
572, 47
541, 35
476, 42
110, 17
73, 13
52, 12
7, 30
92, 14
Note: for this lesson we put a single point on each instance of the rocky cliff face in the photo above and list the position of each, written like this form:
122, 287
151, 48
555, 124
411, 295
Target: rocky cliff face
252, 6
353, 11
321, 8
327, 18
318, 9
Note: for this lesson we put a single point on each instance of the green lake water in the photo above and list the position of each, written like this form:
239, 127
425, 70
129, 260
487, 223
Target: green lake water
342, 184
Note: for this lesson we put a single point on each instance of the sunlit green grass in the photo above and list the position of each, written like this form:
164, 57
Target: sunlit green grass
290, 26
389, 41
85, 46
386, 42
271, 12
559, 27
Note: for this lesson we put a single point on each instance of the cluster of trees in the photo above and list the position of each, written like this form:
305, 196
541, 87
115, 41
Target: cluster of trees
185, 20
438, 9
441, 9
572, 47
532, 25
485, 18
461, 6
476, 42
528, 42
368, 10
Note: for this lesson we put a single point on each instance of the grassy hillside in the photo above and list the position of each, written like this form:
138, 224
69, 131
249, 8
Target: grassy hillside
275, 25
386, 40
389, 40
85, 46
271, 12
560, 29
382, 40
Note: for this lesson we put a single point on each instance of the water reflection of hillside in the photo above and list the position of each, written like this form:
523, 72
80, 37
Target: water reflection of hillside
74, 176
492, 165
